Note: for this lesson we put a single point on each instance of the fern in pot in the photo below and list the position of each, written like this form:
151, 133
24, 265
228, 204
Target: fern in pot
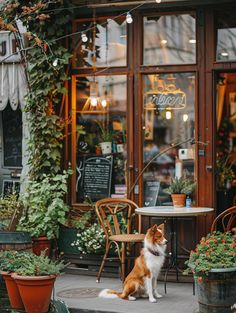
179, 188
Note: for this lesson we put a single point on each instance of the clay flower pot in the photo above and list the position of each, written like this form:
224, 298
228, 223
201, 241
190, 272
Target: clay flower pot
35, 292
178, 200
40, 244
12, 290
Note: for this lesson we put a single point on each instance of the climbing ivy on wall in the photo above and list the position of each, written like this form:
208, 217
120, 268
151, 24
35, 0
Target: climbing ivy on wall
45, 62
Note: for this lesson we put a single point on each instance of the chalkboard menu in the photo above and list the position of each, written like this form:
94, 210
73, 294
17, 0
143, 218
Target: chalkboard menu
151, 190
12, 137
94, 176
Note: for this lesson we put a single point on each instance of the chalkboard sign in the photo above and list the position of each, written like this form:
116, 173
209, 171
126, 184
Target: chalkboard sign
94, 177
151, 190
12, 137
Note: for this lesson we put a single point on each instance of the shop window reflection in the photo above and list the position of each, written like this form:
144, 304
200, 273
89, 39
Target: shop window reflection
168, 114
169, 39
101, 134
110, 43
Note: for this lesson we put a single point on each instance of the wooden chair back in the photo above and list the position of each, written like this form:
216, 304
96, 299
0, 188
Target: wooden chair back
116, 216
227, 220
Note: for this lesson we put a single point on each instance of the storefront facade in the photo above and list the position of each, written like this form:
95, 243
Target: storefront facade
153, 79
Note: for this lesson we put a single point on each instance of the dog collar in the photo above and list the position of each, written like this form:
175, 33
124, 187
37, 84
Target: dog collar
156, 253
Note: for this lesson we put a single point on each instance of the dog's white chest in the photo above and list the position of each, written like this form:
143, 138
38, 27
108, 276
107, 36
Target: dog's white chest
154, 263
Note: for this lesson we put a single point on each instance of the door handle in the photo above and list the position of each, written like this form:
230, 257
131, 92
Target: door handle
209, 168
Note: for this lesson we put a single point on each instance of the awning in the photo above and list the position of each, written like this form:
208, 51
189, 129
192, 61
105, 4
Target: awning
13, 86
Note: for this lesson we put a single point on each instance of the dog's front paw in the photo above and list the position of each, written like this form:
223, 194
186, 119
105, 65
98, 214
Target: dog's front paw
157, 295
152, 300
131, 298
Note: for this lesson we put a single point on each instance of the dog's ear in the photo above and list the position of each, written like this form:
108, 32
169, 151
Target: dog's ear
161, 227
154, 228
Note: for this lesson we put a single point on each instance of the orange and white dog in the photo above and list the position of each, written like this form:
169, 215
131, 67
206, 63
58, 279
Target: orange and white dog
142, 280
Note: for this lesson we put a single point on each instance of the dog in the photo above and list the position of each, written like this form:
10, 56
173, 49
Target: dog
142, 280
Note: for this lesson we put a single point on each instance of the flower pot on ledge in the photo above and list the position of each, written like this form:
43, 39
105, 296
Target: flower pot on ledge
178, 200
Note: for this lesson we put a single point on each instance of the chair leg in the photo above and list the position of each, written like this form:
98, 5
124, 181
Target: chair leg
123, 261
103, 261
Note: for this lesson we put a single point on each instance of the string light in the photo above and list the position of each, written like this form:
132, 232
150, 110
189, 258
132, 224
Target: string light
84, 37
129, 18
55, 62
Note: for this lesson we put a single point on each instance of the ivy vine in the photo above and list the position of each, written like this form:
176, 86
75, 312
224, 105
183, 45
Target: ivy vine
45, 61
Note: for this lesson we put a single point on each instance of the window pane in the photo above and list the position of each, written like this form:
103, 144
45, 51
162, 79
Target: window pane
169, 39
226, 36
110, 43
168, 115
100, 170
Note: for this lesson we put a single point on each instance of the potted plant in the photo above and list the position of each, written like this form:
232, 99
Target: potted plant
35, 280
10, 262
105, 139
45, 210
213, 264
179, 188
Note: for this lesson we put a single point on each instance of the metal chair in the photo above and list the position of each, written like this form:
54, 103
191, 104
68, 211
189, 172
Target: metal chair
116, 217
227, 220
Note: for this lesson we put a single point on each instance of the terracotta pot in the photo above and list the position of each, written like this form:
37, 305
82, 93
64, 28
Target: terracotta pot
13, 291
178, 200
40, 244
35, 292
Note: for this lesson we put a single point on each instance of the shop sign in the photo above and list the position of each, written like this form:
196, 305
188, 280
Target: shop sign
8, 48
170, 100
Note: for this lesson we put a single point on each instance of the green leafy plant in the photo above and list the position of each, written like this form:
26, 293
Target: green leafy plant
224, 171
45, 206
215, 251
40, 266
105, 134
10, 205
11, 261
182, 185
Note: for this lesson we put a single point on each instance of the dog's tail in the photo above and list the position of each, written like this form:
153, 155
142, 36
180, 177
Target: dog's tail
109, 294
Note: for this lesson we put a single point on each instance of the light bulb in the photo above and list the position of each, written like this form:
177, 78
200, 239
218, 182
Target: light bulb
104, 103
224, 53
55, 62
185, 117
158, 1
168, 115
163, 41
94, 102
129, 18
84, 37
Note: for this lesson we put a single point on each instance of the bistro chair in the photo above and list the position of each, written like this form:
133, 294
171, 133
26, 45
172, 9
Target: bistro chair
226, 220
116, 217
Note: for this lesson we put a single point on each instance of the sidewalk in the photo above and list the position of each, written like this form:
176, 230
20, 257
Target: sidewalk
80, 295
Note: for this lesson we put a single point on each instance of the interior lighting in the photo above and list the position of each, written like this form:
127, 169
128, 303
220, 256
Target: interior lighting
168, 115
94, 101
192, 40
158, 1
224, 53
163, 41
129, 18
84, 37
185, 117
104, 103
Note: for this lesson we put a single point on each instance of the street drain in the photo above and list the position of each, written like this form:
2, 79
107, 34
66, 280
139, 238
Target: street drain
79, 293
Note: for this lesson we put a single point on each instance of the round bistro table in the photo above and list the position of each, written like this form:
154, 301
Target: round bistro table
174, 214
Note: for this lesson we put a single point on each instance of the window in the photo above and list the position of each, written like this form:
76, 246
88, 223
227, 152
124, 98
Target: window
169, 39
168, 115
101, 137
226, 34
108, 42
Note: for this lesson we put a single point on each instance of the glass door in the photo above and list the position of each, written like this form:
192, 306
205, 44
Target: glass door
168, 133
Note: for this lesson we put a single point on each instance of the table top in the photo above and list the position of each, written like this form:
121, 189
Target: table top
171, 211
